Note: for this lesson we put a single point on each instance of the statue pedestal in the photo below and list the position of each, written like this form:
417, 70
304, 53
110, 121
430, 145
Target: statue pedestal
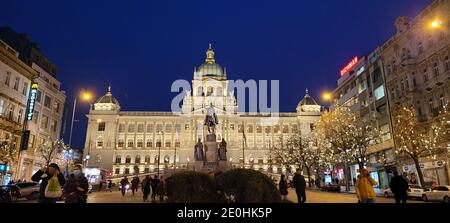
198, 165
211, 149
222, 165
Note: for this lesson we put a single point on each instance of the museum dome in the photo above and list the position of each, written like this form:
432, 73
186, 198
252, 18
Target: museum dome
308, 104
210, 68
107, 102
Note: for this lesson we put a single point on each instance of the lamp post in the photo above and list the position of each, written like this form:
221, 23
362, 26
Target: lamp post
160, 133
85, 96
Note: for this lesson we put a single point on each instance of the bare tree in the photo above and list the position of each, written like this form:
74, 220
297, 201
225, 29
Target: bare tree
52, 151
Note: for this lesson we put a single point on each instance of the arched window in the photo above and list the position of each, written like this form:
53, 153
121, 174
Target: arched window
435, 69
130, 143
149, 143
210, 91
118, 159
128, 159
137, 159
120, 143
140, 143
147, 159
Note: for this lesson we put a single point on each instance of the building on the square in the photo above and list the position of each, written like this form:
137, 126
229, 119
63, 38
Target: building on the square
15, 81
50, 99
361, 88
127, 141
417, 69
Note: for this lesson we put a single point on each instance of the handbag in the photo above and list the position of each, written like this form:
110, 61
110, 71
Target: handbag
53, 188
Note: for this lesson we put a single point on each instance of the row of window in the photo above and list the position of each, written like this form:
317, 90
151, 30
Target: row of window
16, 85
168, 128
139, 143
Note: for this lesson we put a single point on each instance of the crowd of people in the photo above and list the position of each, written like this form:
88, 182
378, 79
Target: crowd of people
149, 185
364, 184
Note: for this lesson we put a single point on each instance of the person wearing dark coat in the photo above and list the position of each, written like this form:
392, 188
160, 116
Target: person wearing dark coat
399, 187
134, 184
154, 185
283, 187
45, 174
76, 187
300, 186
161, 188
124, 182
146, 183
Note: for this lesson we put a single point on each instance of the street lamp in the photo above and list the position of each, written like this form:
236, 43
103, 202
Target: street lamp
84, 96
436, 24
160, 133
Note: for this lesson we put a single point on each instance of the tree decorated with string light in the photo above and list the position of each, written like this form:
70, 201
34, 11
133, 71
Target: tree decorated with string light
347, 137
413, 139
8, 152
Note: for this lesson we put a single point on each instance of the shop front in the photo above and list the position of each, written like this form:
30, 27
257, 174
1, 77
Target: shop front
5, 174
434, 172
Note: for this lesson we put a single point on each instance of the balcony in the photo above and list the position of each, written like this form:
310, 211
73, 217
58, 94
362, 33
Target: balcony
9, 124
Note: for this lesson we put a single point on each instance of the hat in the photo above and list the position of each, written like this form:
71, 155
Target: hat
54, 165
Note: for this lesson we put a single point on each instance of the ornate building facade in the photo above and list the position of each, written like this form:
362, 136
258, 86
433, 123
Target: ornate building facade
125, 141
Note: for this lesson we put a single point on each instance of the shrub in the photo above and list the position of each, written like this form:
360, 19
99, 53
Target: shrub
248, 186
192, 187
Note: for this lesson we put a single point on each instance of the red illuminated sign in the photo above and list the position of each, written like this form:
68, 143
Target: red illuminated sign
349, 66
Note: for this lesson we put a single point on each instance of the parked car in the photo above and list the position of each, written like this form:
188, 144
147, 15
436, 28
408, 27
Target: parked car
28, 190
439, 193
331, 188
414, 191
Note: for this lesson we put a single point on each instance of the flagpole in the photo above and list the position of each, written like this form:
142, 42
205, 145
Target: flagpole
243, 145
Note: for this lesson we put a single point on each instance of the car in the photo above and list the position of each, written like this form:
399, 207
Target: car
414, 191
439, 193
331, 188
28, 190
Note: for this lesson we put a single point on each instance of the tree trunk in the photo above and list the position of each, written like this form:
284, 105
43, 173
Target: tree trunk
347, 185
419, 171
308, 171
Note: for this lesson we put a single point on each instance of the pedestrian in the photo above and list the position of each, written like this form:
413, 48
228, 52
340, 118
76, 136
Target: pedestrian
134, 184
146, 184
354, 181
300, 186
312, 182
160, 188
318, 180
283, 187
124, 183
399, 187
154, 185
100, 185
109, 186
46, 174
76, 187
364, 187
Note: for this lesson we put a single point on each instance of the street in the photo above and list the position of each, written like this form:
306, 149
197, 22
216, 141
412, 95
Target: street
312, 196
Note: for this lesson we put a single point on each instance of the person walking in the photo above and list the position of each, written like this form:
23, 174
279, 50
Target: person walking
46, 174
154, 185
124, 183
146, 184
160, 188
399, 187
100, 185
283, 187
300, 186
364, 187
109, 186
134, 184
76, 187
